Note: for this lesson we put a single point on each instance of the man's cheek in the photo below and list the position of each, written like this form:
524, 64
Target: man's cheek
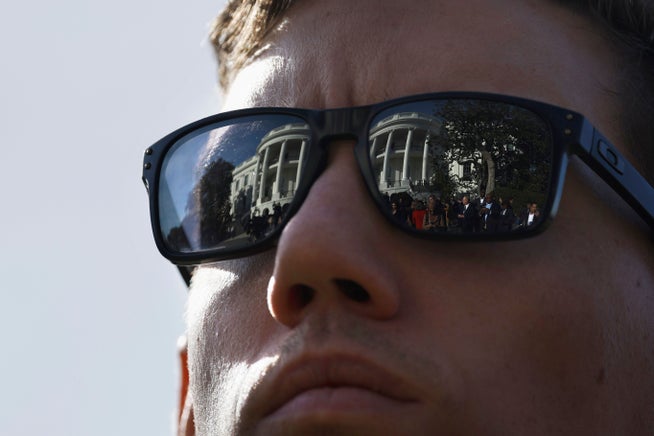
227, 317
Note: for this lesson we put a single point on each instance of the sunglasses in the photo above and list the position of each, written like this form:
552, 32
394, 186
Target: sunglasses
226, 186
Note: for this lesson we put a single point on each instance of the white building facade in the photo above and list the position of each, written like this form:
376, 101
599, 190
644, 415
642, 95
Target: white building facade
404, 157
401, 154
270, 177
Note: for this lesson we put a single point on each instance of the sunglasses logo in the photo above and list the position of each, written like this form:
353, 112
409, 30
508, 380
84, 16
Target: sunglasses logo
610, 156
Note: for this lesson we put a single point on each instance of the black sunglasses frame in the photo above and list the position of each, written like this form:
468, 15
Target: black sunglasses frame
571, 133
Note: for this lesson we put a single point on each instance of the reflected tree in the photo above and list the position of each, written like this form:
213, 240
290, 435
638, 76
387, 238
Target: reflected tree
177, 239
509, 145
211, 199
441, 179
208, 220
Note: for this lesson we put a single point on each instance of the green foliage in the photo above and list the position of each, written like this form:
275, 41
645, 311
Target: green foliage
211, 198
509, 146
208, 220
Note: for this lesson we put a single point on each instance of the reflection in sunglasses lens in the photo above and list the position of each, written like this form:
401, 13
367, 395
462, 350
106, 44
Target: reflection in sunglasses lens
230, 184
461, 166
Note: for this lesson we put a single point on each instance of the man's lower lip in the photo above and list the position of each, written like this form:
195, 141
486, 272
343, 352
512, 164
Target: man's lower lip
333, 401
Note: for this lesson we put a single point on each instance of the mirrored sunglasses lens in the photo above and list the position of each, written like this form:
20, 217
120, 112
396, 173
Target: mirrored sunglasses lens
462, 165
228, 185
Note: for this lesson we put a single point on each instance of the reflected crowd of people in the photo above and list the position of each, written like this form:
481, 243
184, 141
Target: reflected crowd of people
462, 214
459, 214
258, 225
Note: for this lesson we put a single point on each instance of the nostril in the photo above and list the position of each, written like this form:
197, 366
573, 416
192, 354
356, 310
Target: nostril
301, 295
353, 290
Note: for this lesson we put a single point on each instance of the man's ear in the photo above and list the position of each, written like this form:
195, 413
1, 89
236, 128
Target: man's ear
185, 421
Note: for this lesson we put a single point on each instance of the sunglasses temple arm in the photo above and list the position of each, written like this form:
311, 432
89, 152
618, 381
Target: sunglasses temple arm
598, 153
186, 272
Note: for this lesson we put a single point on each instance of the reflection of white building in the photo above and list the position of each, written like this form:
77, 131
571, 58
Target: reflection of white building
271, 175
400, 150
402, 154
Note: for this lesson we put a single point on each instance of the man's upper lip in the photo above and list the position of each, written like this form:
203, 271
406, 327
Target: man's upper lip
325, 370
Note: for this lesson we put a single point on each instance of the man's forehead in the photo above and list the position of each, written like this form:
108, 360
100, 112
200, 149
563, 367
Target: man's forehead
348, 58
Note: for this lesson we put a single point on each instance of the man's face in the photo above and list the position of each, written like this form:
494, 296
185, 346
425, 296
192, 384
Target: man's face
352, 327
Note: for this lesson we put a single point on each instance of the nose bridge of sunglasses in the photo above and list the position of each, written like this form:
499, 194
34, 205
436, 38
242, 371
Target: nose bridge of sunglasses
341, 125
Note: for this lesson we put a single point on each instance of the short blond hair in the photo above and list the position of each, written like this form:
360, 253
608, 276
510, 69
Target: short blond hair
237, 33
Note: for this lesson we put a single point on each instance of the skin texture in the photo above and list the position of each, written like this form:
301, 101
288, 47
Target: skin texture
380, 333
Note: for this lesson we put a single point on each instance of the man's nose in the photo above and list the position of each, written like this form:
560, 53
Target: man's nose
336, 253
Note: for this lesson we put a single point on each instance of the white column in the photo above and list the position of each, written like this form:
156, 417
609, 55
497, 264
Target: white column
407, 149
264, 170
299, 163
254, 179
425, 156
278, 176
387, 154
373, 150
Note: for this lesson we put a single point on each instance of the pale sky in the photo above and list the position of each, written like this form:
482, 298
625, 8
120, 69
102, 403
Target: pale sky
89, 310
